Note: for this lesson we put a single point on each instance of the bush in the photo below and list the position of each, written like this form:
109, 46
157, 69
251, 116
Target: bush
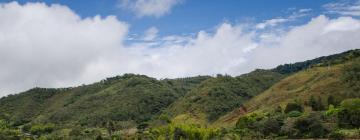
269, 126
288, 128
349, 113
183, 131
293, 107
76, 131
294, 114
39, 129
8, 134
316, 104
332, 111
351, 104
247, 121
311, 126
332, 101
336, 136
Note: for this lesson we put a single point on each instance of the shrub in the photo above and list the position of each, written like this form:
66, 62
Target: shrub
332, 101
293, 107
77, 131
269, 126
349, 113
39, 129
8, 134
336, 136
316, 104
294, 114
288, 128
183, 131
311, 126
351, 104
247, 121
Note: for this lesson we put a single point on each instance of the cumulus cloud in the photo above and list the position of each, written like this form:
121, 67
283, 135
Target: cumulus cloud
51, 46
156, 8
321, 36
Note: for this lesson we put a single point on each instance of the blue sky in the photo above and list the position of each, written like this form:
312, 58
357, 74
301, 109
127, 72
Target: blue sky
190, 16
67, 44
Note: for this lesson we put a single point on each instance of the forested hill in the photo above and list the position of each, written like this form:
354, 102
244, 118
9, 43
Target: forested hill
202, 107
321, 61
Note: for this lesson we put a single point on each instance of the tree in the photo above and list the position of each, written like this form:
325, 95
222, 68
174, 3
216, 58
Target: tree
332, 101
310, 126
349, 113
316, 104
39, 129
269, 126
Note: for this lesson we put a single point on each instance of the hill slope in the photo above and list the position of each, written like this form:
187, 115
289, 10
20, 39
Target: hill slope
133, 98
340, 81
217, 96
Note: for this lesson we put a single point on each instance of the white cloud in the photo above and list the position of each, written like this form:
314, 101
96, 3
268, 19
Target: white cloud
321, 36
155, 8
276, 21
51, 46
344, 7
151, 34
305, 10
271, 22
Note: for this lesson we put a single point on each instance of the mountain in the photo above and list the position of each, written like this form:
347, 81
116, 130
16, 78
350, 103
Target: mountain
203, 107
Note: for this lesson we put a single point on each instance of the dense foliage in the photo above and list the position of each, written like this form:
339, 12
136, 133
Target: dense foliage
315, 124
321, 61
217, 96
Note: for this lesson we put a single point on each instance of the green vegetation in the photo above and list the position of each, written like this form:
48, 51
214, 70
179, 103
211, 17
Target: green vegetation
217, 96
268, 125
313, 99
183, 131
321, 61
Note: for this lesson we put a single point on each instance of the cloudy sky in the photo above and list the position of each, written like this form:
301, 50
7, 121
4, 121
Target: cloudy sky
68, 43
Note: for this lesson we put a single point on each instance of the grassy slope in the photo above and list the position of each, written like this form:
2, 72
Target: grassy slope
318, 81
217, 96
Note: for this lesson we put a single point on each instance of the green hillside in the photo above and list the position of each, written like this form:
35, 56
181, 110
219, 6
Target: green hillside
217, 96
132, 98
320, 82
262, 104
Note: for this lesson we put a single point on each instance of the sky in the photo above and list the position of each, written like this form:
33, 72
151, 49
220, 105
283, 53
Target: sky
62, 43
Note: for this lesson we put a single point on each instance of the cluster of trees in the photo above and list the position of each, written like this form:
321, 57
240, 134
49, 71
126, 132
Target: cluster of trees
181, 132
7, 132
352, 75
215, 97
321, 61
293, 122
